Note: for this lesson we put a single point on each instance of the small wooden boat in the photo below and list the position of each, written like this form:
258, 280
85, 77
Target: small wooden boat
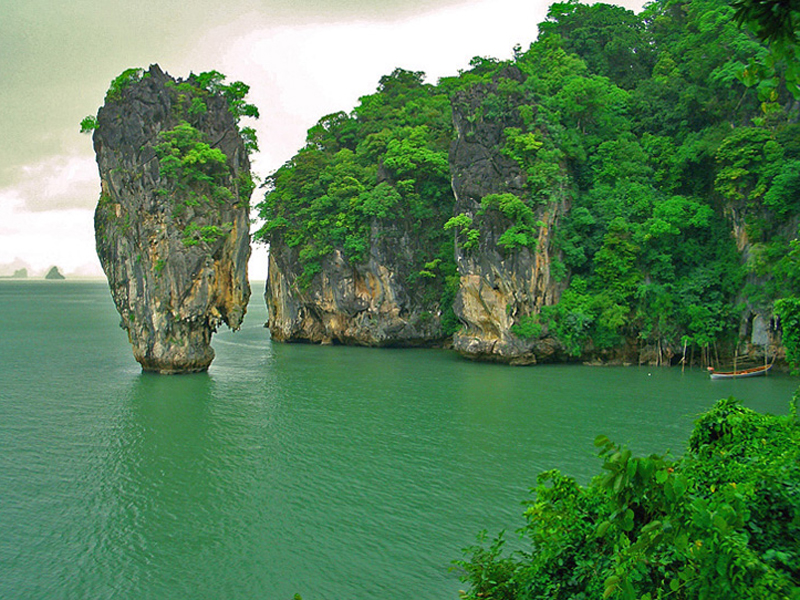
754, 372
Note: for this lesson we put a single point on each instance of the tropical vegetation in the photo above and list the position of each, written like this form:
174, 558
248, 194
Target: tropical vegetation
723, 521
672, 135
192, 172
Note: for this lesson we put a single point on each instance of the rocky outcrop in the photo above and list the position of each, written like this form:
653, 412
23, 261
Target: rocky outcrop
172, 224
759, 333
370, 303
501, 285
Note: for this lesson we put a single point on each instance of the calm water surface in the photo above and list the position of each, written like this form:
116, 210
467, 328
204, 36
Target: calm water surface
337, 473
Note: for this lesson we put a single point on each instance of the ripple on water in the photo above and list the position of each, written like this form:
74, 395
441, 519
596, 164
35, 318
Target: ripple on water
329, 471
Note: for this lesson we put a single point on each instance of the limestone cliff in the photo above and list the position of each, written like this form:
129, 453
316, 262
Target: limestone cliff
758, 332
369, 303
172, 225
354, 223
504, 281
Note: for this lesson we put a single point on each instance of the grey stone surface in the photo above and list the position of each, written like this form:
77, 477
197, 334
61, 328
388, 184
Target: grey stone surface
498, 286
171, 296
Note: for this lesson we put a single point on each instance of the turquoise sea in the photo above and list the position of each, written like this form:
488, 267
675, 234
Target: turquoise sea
336, 473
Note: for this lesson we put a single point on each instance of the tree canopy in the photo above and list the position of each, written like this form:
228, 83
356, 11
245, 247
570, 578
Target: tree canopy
672, 135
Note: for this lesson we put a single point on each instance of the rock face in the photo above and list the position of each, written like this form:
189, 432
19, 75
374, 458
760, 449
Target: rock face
500, 286
758, 331
369, 303
171, 225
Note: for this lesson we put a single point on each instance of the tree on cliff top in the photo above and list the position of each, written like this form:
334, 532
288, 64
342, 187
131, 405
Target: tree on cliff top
208, 82
379, 172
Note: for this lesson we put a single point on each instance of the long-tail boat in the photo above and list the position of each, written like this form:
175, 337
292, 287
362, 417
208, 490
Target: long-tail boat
754, 372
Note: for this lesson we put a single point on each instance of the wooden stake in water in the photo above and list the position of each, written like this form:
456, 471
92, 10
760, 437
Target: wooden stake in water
683, 361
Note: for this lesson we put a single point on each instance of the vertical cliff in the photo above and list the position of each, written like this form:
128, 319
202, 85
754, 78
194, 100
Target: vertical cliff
504, 243
358, 253
757, 183
172, 223
369, 303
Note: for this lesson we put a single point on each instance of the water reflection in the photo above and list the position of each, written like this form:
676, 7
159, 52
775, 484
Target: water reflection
162, 483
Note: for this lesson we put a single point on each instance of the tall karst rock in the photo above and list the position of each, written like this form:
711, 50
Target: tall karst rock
172, 222
354, 222
505, 223
367, 303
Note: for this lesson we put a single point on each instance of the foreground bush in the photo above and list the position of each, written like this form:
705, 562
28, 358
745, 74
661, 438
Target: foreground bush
723, 522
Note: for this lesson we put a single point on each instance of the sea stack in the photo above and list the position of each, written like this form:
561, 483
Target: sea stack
505, 279
172, 222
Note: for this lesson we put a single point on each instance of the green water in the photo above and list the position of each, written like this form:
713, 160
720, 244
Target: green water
337, 473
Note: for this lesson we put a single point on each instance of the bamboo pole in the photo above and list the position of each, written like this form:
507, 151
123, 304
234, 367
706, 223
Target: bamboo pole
683, 361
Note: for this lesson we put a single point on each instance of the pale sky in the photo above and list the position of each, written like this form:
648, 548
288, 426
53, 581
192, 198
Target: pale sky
303, 59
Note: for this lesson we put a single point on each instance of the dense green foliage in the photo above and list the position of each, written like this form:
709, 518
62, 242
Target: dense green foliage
776, 22
660, 167
772, 20
88, 124
121, 81
660, 131
196, 175
721, 522
377, 174
193, 172
788, 310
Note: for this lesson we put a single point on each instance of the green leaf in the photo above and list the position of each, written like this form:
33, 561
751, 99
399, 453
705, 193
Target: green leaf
719, 523
611, 586
627, 521
601, 441
602, 528
679, 486
631, 468
722, 565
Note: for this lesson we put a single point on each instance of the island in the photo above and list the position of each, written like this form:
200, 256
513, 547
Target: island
54, 274
608, 195
172, 222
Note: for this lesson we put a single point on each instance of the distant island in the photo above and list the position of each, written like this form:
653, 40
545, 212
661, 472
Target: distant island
18, 274
53, 273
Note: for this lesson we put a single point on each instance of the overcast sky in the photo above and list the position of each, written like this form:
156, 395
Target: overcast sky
302, 58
